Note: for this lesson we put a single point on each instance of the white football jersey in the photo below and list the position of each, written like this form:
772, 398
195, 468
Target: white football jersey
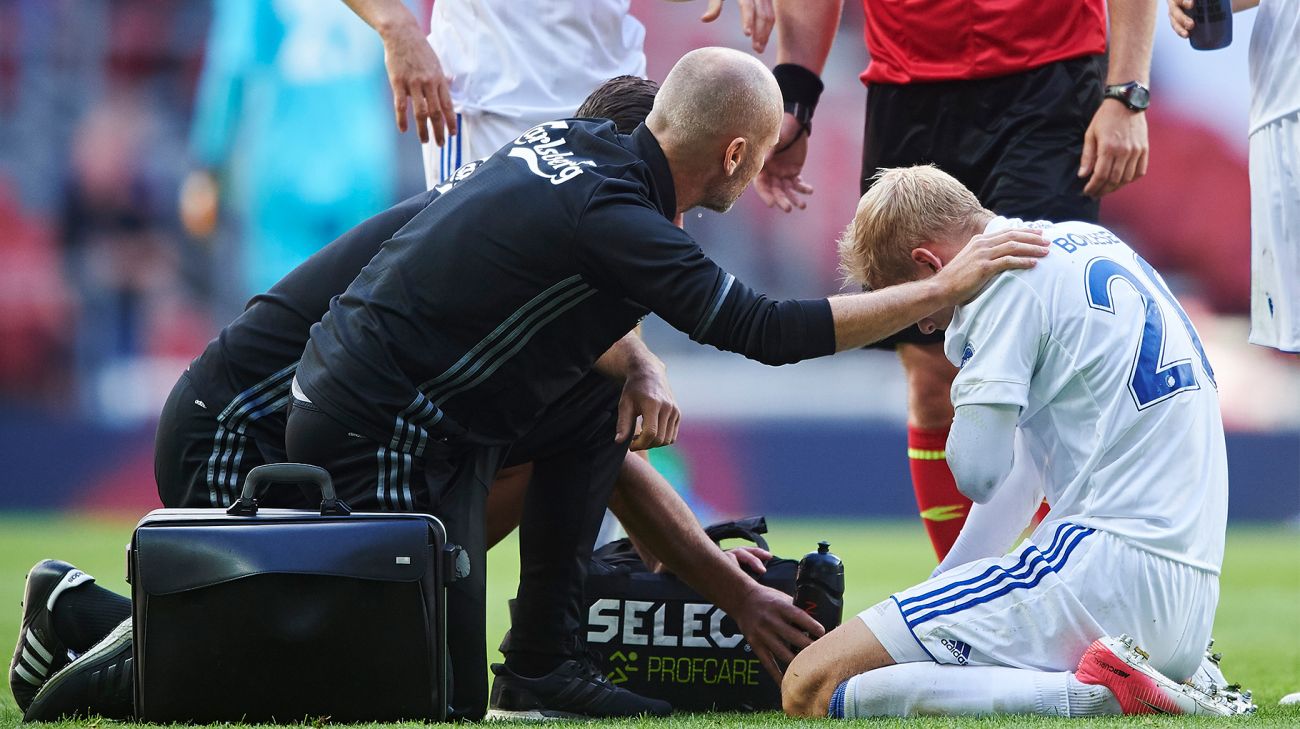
1118, 401
1274, 62
535, 60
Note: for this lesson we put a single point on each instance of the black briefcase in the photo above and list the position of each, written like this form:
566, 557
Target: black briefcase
261, 615
657, 637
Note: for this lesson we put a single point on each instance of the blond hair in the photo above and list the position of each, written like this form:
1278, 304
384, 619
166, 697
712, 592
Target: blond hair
905, 208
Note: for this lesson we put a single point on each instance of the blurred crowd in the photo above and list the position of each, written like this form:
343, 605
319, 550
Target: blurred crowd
94, 108
162, 160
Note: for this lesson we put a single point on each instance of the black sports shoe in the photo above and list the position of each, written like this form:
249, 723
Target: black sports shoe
98, 683
575, 690
39, 653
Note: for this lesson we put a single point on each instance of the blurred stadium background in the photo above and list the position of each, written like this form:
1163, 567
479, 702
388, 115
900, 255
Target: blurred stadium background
108, 106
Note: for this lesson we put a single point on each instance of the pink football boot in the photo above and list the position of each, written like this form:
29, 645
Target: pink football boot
1123, 668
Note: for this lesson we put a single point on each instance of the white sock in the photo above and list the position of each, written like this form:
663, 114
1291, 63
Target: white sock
921, 689
1088, 699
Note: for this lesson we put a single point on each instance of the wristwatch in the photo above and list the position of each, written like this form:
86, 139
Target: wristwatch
1132, 94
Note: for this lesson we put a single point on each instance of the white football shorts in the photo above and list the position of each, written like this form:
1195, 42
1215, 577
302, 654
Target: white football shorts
478, 135
1041, 606
1275, 234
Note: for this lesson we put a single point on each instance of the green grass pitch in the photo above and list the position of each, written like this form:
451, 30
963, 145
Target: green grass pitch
1258, 626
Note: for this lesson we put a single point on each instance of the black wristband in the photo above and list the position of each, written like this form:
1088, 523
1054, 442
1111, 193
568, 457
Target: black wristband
800, 90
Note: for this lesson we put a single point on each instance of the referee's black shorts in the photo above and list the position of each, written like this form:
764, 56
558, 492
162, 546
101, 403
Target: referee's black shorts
1014, 140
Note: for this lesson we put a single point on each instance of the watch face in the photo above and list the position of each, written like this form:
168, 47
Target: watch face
1139, 97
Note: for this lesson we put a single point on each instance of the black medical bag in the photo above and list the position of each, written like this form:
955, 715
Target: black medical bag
256, 615
656, 636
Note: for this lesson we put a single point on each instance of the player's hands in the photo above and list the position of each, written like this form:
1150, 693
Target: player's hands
986, 256
780, 182
1114, 148
757, 18
647, 396
775, 629
1180, 18
750, 558
415, 75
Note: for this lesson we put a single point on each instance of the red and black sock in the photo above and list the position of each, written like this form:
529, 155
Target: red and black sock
943, 508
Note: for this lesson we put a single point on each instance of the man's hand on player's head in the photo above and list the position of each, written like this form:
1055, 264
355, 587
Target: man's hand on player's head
780, 183
415, 75
647, 396
775, 629
1115, 148
986, 256
757, 18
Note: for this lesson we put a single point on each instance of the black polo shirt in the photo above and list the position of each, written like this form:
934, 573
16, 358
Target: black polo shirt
495, 300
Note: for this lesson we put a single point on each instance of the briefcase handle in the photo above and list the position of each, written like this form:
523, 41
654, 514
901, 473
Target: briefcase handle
295, 473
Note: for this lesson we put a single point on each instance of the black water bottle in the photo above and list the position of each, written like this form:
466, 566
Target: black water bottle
1213, 29
819, 586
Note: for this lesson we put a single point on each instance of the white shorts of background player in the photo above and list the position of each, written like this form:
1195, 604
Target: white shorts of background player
1275, 234
478, 136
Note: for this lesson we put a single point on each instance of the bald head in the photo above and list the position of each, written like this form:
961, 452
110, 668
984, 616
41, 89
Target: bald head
713, 94
717, 115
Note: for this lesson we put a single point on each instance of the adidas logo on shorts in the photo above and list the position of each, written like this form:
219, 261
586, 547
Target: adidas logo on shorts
958, 649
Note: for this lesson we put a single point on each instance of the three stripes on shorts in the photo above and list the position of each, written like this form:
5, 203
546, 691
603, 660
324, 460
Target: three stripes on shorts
410, 431
229, 442
996, 581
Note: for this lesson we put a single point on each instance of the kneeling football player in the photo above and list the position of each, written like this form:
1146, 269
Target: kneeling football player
1091, 359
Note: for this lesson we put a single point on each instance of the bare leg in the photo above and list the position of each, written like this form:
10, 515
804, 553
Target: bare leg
818, 669
929, 381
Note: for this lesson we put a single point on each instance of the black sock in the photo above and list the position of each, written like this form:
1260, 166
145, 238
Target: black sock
85, 614
533, 665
